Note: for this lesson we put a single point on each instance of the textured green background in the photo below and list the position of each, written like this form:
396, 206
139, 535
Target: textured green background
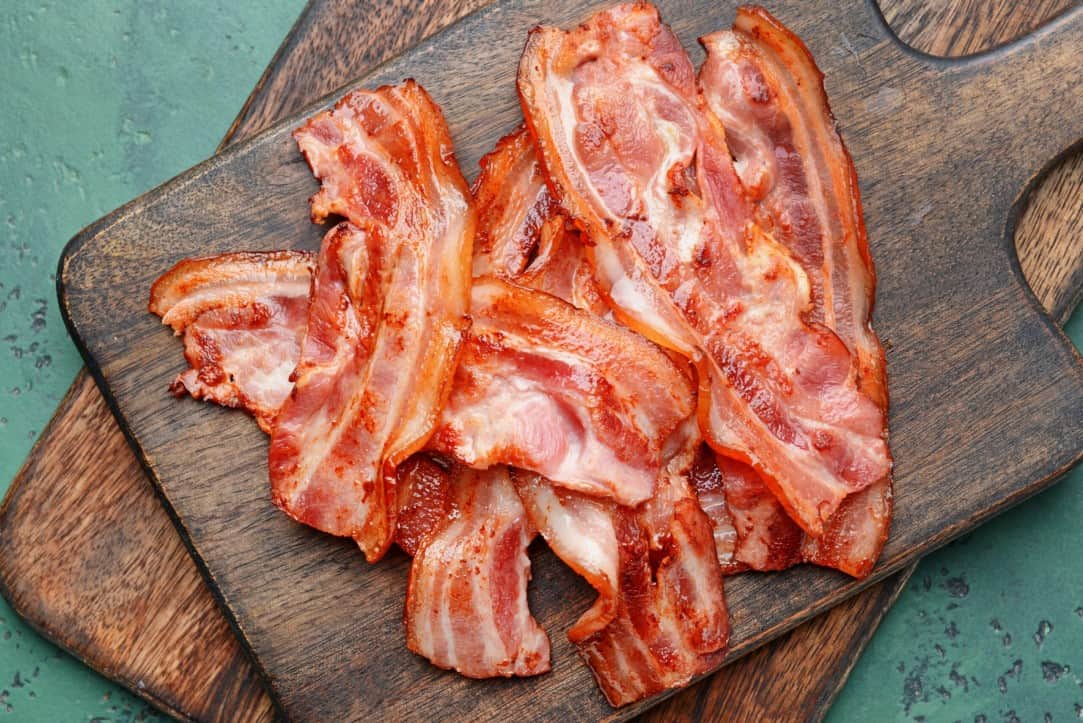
102, 100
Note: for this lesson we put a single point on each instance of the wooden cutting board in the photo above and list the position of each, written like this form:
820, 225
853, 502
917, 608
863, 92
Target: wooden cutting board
133, 666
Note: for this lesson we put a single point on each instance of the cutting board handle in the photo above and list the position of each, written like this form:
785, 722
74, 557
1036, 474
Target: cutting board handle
1021, 103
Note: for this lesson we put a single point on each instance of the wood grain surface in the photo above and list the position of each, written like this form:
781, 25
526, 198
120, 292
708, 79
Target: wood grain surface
104, 609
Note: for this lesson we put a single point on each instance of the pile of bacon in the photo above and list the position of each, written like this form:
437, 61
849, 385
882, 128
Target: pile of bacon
644, 334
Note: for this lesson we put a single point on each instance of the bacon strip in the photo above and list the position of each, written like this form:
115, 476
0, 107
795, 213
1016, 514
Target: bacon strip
660, 618
644, 170
242, 316
388, 311
550, 388
466, 601
762, 82
523, 235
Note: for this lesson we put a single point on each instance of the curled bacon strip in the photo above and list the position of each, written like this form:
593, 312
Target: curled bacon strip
466, 602
553, 389
242, 316
643, 169
388, 311
523, 236
762, 82
660, 618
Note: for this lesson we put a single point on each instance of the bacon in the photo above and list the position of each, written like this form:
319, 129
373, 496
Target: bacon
466, 600
242, 316
553, 389
762, 82
643, 169
710, 488
387, 316
523, 236
660, 618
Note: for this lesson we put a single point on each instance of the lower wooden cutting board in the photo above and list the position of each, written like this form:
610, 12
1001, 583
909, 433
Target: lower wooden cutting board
183, 693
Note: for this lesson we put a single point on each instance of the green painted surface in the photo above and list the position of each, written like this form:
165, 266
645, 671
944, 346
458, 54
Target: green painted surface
99, 101
102, 100
991, 627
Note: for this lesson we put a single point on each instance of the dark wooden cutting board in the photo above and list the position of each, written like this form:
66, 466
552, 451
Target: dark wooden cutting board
167, 565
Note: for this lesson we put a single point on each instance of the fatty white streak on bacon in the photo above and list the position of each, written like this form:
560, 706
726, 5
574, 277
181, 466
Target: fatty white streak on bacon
642, 167
389, 309
242, 316
763, 84
466, 601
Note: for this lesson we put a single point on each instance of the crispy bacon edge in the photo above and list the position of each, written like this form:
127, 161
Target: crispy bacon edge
227, 305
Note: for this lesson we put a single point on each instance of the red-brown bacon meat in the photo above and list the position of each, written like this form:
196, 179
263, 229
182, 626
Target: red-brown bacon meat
761, 81
523, 236
643, 168
553, 389
242, 316
710, 488
660, 616
466, 602
389, 309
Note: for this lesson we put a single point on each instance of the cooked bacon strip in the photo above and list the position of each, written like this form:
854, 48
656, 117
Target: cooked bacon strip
762, 82
644, 170
523, 236
466, 601
660, 618
582, 531
388, 311
550, 388
242, 316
